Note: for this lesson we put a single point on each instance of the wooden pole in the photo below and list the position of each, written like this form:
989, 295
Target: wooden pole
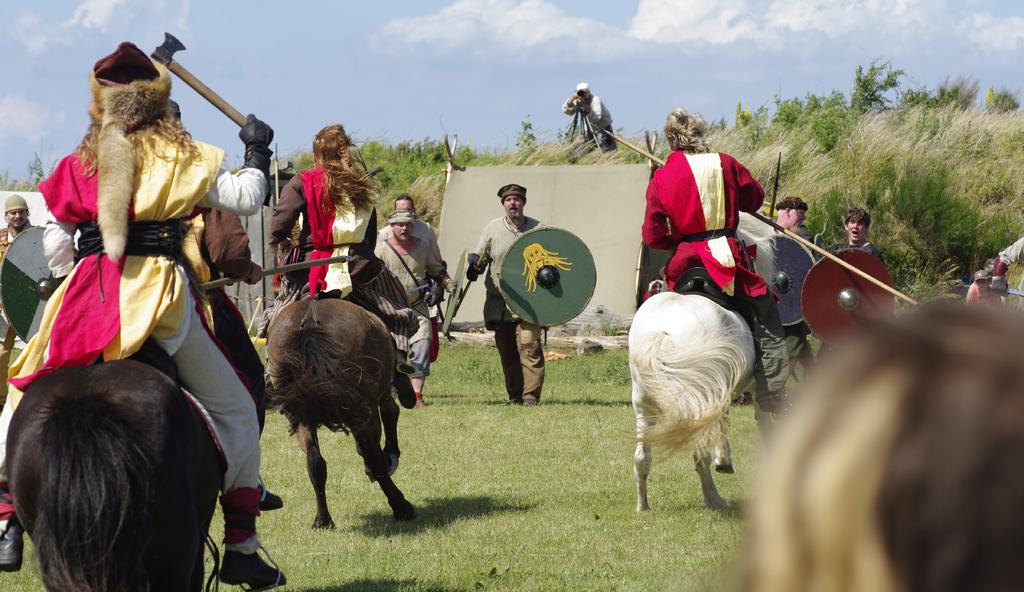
791, 234
280, 269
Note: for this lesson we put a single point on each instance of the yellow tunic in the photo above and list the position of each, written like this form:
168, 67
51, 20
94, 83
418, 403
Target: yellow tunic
153, 292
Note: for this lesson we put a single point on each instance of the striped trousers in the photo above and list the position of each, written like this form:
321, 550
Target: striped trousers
384, 296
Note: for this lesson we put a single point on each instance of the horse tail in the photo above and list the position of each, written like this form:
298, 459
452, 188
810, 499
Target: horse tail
316, 382
91, 506
689, 382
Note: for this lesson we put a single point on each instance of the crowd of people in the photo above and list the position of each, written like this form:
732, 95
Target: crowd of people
137, 157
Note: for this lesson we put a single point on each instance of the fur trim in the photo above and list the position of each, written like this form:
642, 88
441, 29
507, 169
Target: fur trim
116, 168
122, 110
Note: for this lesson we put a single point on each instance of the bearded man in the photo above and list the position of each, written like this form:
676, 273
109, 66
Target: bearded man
416, 265
125, 191
518, 341
693, 206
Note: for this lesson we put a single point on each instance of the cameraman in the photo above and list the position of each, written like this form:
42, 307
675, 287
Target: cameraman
598, 118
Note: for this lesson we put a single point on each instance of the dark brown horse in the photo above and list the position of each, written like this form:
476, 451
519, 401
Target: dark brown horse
331, 364
115, 479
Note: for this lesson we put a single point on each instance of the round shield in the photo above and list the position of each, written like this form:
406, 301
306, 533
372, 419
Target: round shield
547, 276
836, 300
25, 282
793, 260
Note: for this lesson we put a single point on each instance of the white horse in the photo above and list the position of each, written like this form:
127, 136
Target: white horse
687, 357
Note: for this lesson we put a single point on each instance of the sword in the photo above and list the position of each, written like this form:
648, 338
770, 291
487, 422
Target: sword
279, 269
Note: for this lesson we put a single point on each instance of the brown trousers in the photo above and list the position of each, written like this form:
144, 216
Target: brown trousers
384, 296
522, 358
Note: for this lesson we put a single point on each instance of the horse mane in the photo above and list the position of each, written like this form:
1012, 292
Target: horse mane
754, 232
84, 519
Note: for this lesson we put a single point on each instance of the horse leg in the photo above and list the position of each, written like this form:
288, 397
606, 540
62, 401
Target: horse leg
722, 459
377, 464
702, 461
316, 466
389, 418
641, 463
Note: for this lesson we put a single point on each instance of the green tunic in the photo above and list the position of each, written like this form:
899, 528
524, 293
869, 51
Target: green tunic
495, 240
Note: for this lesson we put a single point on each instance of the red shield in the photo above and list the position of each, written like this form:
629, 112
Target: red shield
835, 300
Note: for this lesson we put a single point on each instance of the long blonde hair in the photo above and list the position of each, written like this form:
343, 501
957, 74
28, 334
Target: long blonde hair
685, 131
899, 468
345, 178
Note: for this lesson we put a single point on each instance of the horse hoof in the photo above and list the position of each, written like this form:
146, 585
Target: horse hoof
716, 504
319, 524
405, 512
724, 469
643, 508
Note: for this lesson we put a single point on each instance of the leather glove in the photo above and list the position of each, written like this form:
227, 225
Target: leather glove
472, 271
257, 136
435, 295
255, 275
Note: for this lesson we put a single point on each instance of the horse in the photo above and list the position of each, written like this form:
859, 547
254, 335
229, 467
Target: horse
115, 478
330, 364
687, 357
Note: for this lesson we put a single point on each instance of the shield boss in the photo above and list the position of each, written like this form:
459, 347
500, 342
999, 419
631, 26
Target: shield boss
547, 276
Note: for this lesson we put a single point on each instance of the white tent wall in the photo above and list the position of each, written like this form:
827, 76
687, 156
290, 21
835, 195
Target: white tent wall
603, 205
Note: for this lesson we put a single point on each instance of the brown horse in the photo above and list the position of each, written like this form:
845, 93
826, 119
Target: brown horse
115, 479
331, 364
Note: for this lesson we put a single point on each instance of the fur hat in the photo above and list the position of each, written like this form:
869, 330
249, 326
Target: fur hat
129, 92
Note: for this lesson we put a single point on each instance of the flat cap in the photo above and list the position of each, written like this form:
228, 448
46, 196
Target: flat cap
512, 189
401, 217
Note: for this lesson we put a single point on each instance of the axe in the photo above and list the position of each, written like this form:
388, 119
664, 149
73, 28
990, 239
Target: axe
165, 55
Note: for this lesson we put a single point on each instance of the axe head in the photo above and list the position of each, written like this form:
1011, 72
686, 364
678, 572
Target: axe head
165, 53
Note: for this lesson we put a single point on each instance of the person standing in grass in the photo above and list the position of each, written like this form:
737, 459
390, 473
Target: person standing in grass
424, 278
599, 119
857, 223
792, 213
518, 341
16, 216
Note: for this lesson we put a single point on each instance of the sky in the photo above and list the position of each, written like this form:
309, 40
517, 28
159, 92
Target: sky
408, 70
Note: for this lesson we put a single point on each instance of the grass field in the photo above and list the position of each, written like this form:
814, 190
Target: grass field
509, 498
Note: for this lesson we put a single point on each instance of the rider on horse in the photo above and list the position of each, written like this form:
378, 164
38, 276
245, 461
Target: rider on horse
125, 191
693, 206
336, 204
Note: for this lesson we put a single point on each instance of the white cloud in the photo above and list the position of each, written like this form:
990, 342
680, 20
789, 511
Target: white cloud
692, 24
93, 14
511, 24
713, 22
996, 34
21, 119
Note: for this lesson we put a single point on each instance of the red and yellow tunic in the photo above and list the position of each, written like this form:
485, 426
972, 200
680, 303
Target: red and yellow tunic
107, 308
692, 195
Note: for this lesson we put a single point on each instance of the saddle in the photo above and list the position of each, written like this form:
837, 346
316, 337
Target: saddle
697, 280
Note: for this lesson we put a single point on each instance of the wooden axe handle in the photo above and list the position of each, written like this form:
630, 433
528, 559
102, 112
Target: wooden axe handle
206, 92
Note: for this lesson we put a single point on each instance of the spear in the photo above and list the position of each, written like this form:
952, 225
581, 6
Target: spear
810, 245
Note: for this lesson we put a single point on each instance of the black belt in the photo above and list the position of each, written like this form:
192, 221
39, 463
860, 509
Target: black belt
709, 235
145, 239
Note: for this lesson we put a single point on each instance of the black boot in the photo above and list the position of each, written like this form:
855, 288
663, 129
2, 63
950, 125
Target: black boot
401, 387
268, 500
12, 546
250, 570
